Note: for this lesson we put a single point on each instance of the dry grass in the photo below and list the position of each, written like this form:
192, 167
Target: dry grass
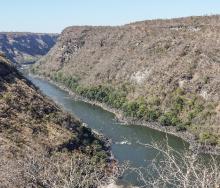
39, 142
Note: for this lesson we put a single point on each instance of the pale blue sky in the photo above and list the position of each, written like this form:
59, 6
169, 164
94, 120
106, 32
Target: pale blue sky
55, 15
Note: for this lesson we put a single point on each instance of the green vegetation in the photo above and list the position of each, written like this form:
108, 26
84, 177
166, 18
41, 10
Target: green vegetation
208, 138
7, 97
181, 110
104, 94
115, 98
169, 118
70, 82
141, 109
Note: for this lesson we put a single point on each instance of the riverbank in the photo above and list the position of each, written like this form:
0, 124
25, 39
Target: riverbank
188, 137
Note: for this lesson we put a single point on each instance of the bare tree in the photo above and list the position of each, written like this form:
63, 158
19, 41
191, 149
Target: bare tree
77, 171
186, 169
170, 168
67, 170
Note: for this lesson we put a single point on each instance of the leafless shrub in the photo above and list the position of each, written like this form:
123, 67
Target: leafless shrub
78, 171
170, 168
60, 170
185, 169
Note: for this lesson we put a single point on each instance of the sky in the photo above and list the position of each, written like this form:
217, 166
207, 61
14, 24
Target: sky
52, 16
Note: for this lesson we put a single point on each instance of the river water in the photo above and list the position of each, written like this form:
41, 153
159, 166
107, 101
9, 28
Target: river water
127, 140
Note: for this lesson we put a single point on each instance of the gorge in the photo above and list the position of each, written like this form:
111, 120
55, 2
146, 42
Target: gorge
158, 70
163, 74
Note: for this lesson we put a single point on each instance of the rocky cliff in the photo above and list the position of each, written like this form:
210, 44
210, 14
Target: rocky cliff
163, 70
26, 47
40, 145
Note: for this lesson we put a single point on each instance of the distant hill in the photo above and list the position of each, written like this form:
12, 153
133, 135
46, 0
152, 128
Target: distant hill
25, 47
156, 70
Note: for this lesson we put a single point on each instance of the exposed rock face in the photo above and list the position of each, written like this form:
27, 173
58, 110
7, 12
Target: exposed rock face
155, 58
35, 135
26, 47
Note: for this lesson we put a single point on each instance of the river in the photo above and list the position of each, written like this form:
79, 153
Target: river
127, 140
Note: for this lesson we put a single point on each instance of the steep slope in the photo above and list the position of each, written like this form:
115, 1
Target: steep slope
26, 47
40, 145
159, 70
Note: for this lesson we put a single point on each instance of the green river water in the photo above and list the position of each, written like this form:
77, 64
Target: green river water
127, 140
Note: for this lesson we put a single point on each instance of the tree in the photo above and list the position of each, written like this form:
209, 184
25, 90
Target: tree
179, 169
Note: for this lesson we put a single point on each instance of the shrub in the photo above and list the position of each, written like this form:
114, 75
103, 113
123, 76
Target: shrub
178, 104
169, 119
165, 120
208, 138
131, 108
142, 110
7, 97
69, 81
102, 155
181, 127
152, 114
153, 101
206, 79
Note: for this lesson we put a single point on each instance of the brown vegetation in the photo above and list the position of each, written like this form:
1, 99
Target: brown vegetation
170, 67
39, 143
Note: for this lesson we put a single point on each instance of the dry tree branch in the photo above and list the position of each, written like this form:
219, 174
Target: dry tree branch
179, 169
